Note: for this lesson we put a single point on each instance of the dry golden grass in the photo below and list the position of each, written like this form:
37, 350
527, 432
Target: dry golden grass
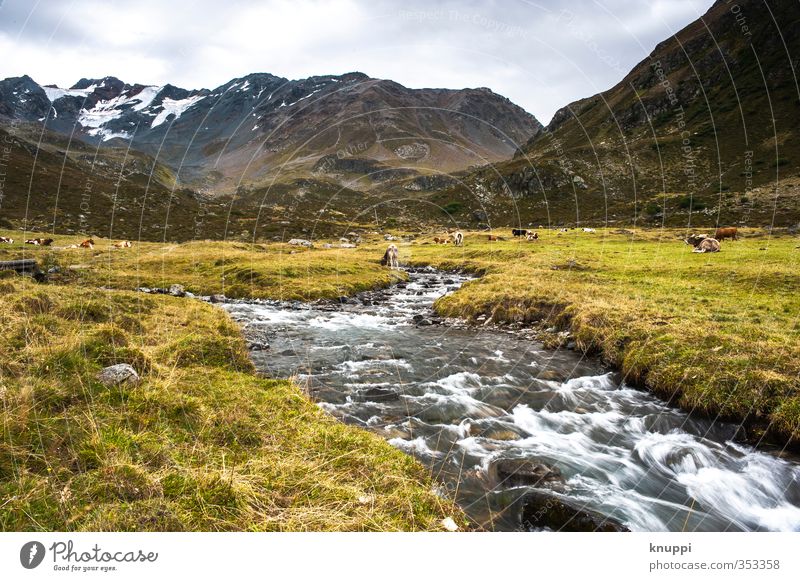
202, 443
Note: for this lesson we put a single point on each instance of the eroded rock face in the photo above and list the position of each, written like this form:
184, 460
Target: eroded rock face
546, 510
120, 374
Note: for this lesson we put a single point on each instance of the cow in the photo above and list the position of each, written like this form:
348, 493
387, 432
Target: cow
4, 240
707, 245
493, 238
122, 244
88, 243
590, 230
703, 243
390, 257
532, 236
518, 232
723, 233
458, 238
40, 241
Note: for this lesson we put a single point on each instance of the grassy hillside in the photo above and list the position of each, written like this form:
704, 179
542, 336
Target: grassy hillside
203, 443
694, 134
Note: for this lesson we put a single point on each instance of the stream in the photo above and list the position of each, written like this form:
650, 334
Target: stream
496, 417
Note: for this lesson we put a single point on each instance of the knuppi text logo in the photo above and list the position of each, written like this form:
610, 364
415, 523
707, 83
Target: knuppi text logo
31, 554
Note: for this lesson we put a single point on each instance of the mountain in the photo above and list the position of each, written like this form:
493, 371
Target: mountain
702, 131
262, 127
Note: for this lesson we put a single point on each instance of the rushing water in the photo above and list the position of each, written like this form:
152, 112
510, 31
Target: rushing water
464, 400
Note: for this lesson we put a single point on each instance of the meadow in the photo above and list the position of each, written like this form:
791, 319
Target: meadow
202, 443
205, 443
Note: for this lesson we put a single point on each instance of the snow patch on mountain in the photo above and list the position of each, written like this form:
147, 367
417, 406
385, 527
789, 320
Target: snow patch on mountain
55, 93
174, 107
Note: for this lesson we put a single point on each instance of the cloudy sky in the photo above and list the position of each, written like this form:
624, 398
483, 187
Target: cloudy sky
542, 55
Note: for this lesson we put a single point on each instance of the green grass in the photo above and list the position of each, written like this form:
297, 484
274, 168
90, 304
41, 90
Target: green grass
715, 333
203, 443
236, 269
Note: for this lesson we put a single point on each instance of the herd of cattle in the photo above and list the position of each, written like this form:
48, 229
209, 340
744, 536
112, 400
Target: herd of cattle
699, 242
88, 243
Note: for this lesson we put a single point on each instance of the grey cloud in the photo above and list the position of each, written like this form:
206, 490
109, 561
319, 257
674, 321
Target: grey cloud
542, 55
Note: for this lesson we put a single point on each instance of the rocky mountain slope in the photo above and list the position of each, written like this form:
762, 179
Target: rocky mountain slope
702, 131
262, 127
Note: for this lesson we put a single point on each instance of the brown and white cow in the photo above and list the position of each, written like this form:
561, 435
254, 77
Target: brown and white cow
122, 244
4, 240
88, 243
40, 241
532, 236
703, 243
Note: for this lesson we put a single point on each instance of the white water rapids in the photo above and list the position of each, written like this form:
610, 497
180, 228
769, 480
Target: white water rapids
462, 399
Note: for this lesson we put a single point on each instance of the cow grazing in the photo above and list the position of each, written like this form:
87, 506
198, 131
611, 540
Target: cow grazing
458, 238
519, 232
122, 244
390, 257
723, 233
88, 243
4, 240
532, 236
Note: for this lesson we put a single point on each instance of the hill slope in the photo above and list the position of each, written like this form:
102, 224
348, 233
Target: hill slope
704, 129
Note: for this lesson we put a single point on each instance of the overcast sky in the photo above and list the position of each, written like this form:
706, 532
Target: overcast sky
541, 55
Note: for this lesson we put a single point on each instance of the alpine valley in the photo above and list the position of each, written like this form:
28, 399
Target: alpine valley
701, 132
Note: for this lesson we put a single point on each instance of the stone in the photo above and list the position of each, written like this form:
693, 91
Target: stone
216, 299
300, 242
542, 509
177, 290
513, 472
120, 374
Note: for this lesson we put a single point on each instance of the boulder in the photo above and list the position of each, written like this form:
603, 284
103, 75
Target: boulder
177, 290
120, 374
300, 242
542, 509
513, 472
216, 299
